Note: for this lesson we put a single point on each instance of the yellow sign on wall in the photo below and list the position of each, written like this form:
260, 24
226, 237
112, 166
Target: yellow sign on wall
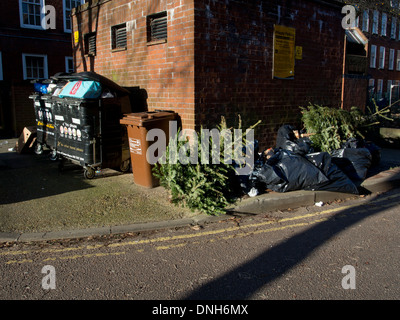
284, 52
76, 36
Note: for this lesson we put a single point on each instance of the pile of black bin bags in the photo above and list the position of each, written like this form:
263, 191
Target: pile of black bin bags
293, 165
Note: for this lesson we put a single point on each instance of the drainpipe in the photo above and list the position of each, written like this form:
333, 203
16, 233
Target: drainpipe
343, 72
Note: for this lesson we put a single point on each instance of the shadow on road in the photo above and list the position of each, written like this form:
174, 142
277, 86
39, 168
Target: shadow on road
275, 262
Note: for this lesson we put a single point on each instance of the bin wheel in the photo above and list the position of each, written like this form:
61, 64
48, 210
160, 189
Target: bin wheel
53, 155
89, 173
125, 166
38, 148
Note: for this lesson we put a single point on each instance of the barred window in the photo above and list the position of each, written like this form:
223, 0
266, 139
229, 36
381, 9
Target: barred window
157, 27
118, 37
90, 43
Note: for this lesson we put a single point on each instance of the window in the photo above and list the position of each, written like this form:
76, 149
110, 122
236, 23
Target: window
90, 43
384, 24
365, 21
157, 27
69, 64
371, 87
382, 57
373, 56
68, 6
118, 37
34, 66
393, 29
399, 33
389, 88
395, 90
398, 61
30, 12
1, 67
375, 21
371, 83
379, 89
391, 59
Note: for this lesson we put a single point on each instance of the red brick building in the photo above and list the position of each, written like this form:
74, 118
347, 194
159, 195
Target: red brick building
29, 51
206, 59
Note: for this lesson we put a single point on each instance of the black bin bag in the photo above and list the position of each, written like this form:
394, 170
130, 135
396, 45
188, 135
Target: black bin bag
338, 180
285, 134
286, 139
354, 162
287, 171
299, 172
266, 176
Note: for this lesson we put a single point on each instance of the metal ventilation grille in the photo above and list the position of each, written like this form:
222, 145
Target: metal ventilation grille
158, 27
90, 44
119, 36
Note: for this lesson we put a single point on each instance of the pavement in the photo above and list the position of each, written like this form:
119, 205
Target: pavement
384, 177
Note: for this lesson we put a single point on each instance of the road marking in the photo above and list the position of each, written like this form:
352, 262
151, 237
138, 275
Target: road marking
361, 207
19, 261
171, 246
91, 255
226, 230
254, 225
48, 250
77, 256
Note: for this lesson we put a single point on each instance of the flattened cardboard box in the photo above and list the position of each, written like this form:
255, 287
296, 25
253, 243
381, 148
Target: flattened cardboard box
26, 140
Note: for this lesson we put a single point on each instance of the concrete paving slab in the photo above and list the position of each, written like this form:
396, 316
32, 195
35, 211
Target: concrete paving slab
328, 196
78, 233
9, 236
275, 201
65, 234
383, 181
150, 226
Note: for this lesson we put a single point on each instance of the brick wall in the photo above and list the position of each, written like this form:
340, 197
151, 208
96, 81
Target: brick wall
164, 70
355, 92
234, 57
23, 107
218, 58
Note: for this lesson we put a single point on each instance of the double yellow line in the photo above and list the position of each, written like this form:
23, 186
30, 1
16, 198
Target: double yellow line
224, 231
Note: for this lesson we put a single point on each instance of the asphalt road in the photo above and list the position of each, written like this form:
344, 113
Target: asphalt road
348, 250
